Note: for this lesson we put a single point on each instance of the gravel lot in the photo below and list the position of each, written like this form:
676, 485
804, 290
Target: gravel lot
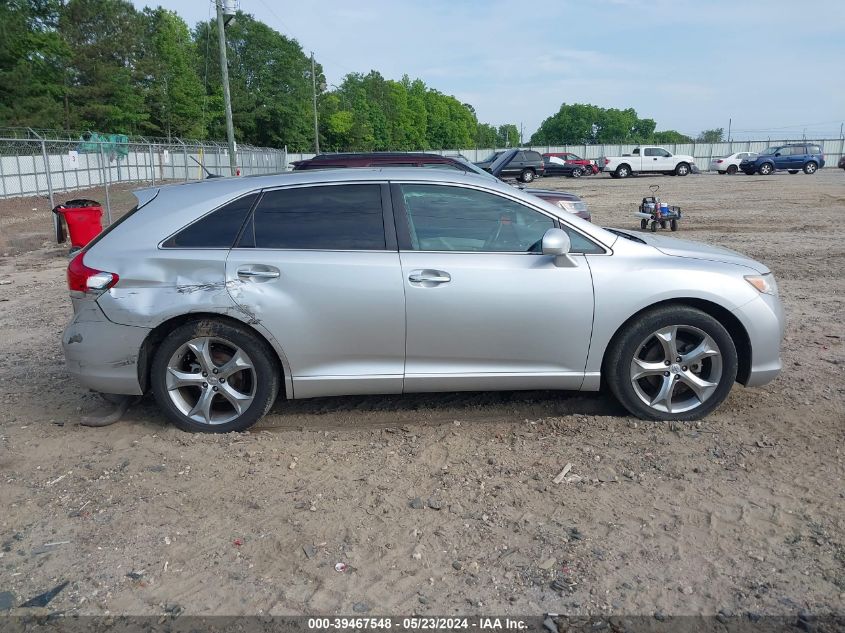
741, 513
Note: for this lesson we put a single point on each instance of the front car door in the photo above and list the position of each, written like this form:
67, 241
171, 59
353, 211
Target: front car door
317, 266
484, 308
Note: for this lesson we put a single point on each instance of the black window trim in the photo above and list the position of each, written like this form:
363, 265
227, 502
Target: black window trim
390, 239
247, 216
403, 231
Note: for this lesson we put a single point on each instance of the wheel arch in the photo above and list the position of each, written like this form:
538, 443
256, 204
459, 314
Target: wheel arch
729, 321
160, 332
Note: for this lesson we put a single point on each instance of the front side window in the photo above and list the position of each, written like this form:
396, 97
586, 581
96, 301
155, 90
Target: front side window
338, 217
218, 229
442, 218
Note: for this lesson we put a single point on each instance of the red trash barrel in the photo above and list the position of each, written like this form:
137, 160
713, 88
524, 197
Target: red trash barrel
83, 218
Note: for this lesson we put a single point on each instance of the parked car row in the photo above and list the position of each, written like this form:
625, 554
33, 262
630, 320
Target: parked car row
793, 157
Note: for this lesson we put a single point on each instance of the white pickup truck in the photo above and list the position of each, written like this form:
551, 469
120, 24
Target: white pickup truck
647, 159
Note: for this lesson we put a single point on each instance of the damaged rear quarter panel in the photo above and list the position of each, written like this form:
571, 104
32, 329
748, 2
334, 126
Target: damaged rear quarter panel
170, 283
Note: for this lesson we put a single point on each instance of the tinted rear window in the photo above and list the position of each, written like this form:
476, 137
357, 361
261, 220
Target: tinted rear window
535, 156
339, 217
218, 229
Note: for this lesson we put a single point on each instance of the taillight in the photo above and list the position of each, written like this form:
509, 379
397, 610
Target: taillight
720, 161
81, 278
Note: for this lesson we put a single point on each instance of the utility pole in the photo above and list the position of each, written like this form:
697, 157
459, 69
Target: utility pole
227, 97
314, 90
729, 129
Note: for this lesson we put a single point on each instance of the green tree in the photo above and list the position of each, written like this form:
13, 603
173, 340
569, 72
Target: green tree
716, 135
507, 136
270, 81
581, 123
173, 90
104, 39
486, 135
670, 136
33, 56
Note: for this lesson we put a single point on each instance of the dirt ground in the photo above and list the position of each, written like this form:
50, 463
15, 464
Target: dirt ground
742, 513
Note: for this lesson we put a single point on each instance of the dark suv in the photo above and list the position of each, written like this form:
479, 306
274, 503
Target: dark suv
378, 159
793, 158
524, 164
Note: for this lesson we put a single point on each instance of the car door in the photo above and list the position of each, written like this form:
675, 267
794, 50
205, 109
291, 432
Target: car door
317, 266
484, 308
782, 158
798, 157
651, 159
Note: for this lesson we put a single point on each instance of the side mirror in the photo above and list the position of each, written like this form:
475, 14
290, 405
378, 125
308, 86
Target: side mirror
556, 242
777, 154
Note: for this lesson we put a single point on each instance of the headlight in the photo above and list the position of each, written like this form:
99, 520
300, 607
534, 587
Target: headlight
764, 283
571, 206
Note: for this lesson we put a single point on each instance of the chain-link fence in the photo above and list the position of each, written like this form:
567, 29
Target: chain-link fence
33, 163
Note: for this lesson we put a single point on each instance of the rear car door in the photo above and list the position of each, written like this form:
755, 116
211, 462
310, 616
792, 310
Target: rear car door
484, 308
317, 265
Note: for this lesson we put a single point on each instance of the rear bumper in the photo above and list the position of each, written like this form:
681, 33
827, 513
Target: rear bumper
102, 355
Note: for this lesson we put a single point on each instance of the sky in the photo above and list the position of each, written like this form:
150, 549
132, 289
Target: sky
772, 68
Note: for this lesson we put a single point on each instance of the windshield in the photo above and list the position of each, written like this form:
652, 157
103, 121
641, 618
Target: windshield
769, 151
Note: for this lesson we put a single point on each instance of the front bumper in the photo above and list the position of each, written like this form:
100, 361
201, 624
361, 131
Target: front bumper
765, 322
102, 355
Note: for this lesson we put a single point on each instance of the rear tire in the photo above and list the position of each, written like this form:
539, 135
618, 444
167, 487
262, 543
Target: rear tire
623, 171
577, 173
687, 389
810, 168
643, 224
527, 175
214, 377
673, 225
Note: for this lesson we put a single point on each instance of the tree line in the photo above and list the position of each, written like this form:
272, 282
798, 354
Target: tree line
103, 65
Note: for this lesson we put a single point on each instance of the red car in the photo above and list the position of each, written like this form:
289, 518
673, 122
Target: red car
589, 165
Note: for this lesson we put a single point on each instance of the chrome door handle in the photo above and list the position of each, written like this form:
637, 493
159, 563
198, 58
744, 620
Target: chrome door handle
429, 276
260, 274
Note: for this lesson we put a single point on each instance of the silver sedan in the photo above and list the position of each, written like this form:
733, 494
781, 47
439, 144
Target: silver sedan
220, 295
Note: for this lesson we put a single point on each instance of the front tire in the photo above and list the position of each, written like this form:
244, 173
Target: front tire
527, 175
214, 377
765, 169
682, 169
671, 363
732, 169
810, 168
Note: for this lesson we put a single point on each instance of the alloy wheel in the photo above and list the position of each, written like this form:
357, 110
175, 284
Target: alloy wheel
676, 369
210, 380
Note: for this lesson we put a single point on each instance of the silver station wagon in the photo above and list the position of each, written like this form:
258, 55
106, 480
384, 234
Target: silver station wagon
220, 295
